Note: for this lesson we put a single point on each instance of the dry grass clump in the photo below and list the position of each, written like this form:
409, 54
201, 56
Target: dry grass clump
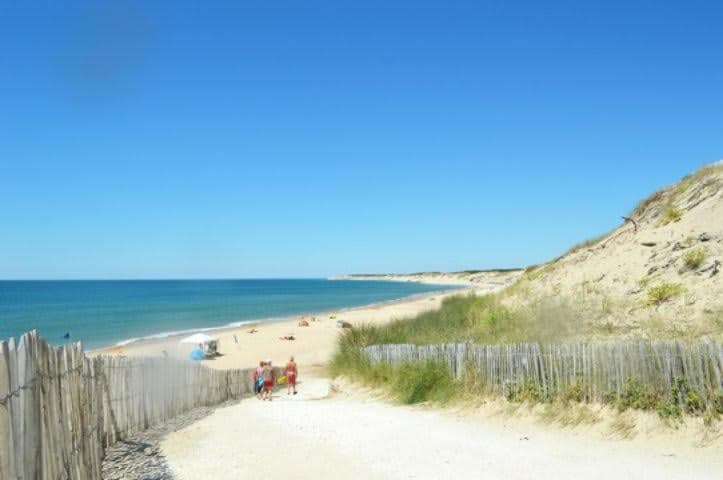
671, 214
663, 292
569, 415
623, 426
693, 258
644, 205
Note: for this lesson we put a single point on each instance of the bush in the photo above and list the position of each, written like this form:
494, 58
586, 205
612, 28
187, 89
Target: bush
663, 292
574, 393
638, 396
525, 392
682, 392
668, 410
610, 396
694, 258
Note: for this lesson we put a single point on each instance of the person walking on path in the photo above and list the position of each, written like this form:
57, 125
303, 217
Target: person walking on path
259, 379
291, 372
269, 379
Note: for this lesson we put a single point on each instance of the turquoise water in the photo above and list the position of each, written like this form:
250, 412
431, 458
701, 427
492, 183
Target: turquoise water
101, 313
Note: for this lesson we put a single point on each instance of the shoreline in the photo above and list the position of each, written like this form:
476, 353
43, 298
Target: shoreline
313, 345
176, 334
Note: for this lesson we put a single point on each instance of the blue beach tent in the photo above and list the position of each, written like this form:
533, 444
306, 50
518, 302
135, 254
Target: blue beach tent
196, 354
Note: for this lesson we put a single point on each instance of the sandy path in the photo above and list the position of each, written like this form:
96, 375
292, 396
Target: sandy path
346, 438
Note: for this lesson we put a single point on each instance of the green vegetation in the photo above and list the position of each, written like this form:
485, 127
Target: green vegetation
719, 403
415, 383
486, 320
671, 214
694, 257
526, 392
644, 397
663, 292
573, 393
471, 318
637, 396
460, 319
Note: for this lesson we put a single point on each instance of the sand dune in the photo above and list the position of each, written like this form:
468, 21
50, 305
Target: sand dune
611, 280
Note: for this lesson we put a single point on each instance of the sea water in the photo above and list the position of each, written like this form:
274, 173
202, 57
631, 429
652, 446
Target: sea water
102, 313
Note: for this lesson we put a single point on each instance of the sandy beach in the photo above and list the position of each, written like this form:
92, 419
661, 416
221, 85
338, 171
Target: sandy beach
313, 345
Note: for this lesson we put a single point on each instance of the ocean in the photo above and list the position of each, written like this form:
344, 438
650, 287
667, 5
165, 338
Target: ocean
103, 313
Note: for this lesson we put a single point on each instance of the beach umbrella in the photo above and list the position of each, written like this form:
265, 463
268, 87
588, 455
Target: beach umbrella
198, 338
196, 354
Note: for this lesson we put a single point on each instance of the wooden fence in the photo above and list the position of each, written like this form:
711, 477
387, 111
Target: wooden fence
601, 369
60, 409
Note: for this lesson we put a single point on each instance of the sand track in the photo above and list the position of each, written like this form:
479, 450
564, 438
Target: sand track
351, 438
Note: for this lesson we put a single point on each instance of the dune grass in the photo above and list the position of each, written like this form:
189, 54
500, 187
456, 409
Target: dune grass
671, 214
694, 257
663, 292
460, 319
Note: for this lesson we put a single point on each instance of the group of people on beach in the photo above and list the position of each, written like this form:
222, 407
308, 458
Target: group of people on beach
265, 378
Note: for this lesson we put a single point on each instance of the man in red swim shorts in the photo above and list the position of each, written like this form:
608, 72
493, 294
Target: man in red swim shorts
268, 373
291, 372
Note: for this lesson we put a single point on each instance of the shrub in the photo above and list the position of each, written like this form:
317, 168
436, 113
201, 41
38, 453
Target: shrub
682, 392
525, 392
638, 396
610, 396
671, 214
668, 410
663, 292
693, 402
694, 258
574, 393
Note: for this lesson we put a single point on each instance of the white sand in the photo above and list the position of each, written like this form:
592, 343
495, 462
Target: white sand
345, 437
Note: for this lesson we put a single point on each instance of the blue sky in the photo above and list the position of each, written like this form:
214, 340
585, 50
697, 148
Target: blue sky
295, 139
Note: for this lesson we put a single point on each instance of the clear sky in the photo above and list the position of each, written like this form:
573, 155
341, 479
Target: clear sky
293, 139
